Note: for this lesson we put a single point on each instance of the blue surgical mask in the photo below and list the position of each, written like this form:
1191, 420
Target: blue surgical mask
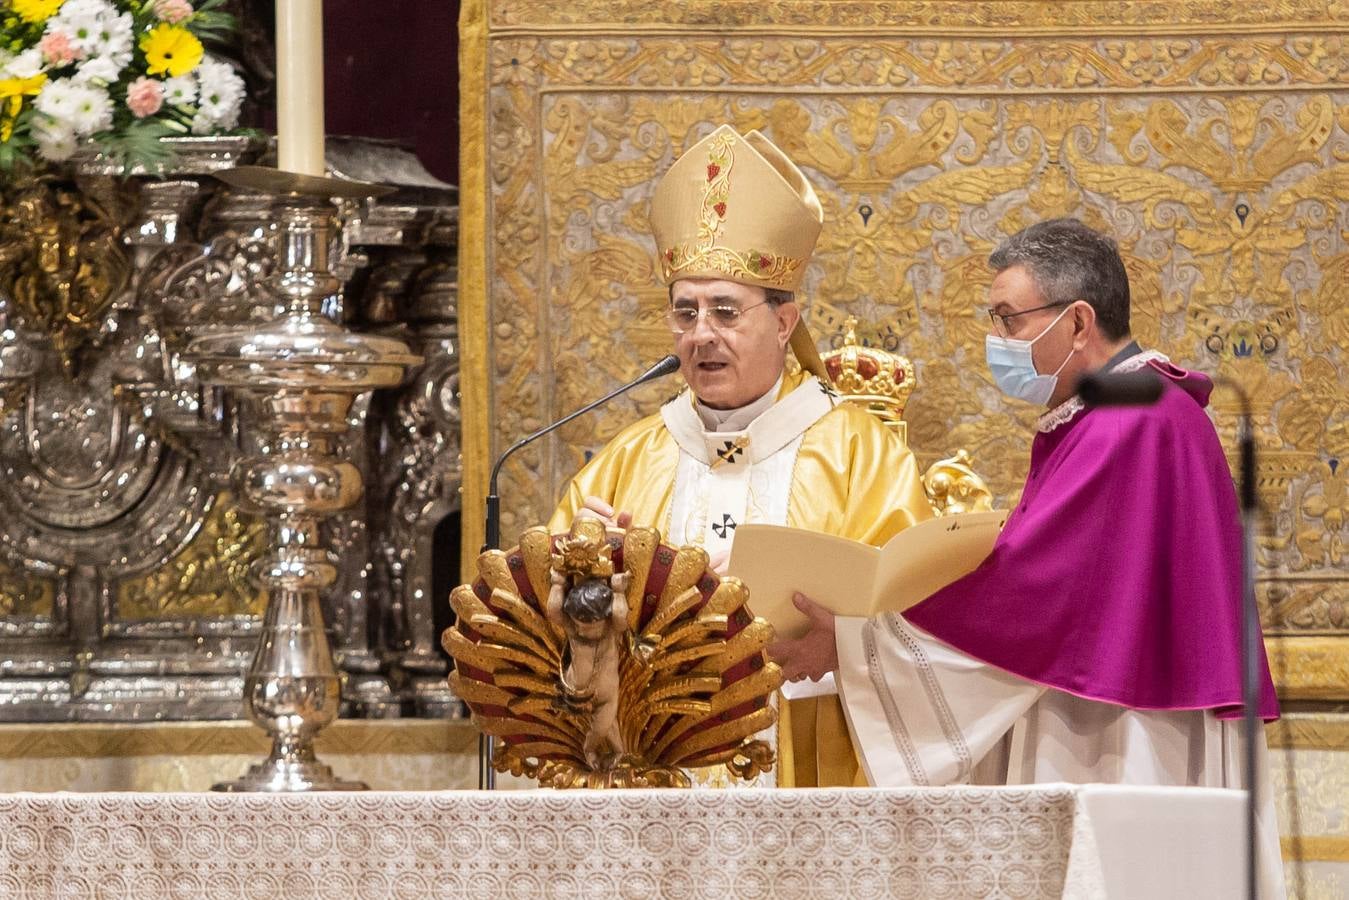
1013, 366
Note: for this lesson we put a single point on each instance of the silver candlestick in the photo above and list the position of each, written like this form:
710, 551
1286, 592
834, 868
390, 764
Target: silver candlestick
302, 372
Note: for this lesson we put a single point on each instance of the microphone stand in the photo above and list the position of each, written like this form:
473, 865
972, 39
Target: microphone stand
1141, 388
492, 531
1250, 633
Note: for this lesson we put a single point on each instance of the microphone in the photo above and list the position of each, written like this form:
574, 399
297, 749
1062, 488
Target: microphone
1140, 388
492, 533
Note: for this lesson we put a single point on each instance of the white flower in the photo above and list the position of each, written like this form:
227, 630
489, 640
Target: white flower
24, 65
93, 110
57, 99
105, 69
82, 25
97, 28
114, 38
80, 108
180, 91
55, 139
92, 8
221, 94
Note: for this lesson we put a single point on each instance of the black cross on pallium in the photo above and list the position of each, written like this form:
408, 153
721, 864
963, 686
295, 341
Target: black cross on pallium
828, 391
730, 451
726, 526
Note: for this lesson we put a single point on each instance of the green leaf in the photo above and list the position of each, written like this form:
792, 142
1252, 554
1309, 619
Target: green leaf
138, 144
213, 27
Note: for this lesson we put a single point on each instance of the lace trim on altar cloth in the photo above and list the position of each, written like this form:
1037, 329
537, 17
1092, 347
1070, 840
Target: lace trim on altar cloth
1066, 411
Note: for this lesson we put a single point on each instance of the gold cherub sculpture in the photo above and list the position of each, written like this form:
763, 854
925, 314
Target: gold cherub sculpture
603, 658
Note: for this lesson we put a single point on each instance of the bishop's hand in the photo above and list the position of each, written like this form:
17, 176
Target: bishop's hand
600, 509
812, 655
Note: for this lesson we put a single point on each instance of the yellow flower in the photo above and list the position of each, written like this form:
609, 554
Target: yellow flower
36, 10
171, 49
12, 92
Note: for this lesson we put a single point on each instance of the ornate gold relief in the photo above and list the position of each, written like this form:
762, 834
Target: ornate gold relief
933, 15
1213, 143
61, 257
1309, 668
212, 576
25, 595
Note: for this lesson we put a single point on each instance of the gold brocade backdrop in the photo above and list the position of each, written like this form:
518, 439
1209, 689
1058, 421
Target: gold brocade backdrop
1211, 138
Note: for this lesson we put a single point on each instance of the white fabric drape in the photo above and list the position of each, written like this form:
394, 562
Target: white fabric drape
923, 713
1042, 843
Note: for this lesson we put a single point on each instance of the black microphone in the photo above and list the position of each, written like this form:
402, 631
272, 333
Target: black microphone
1140, 388
492, 534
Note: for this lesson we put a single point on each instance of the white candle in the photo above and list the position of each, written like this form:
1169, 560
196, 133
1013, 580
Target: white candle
299, 86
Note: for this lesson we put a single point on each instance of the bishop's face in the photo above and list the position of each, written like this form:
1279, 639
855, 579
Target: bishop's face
730, 359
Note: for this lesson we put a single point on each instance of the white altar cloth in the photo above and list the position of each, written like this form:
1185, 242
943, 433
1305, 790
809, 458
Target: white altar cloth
1042, 841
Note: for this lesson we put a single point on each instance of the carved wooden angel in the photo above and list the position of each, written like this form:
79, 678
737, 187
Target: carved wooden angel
604, 658
588, 601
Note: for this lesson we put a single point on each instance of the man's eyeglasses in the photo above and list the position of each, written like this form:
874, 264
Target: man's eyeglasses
1002, 321
684, 319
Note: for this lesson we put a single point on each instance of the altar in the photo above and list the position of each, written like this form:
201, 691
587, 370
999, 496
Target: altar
1046, 841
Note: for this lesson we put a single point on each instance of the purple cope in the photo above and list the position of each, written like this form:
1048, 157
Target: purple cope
1117, 577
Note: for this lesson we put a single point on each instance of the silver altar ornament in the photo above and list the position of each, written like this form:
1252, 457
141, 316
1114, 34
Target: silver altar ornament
18, 362
303, 373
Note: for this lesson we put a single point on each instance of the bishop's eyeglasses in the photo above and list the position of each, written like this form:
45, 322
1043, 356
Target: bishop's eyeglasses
684, 319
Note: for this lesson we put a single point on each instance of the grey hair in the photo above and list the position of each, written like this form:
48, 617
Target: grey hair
1068, 261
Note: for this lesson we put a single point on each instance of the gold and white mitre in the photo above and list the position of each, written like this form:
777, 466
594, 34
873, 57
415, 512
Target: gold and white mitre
735, 207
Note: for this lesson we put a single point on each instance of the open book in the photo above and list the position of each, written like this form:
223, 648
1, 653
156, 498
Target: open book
854, 579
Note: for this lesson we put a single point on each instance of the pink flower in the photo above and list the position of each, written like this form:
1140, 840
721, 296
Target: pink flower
145, 96
57, 49
172, 11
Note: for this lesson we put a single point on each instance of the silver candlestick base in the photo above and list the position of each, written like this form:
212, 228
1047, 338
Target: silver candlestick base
303, 372
292, 707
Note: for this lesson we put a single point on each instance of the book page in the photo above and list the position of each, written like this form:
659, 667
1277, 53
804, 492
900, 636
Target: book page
919, 561
775, 562
853, 579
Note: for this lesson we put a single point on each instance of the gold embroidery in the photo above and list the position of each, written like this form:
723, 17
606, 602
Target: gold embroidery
720, 160
704, 254
778, 270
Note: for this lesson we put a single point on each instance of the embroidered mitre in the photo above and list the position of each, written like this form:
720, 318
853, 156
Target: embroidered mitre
735, 207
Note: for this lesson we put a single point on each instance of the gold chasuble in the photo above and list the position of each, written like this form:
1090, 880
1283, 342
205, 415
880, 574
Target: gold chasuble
809, 461
734, 207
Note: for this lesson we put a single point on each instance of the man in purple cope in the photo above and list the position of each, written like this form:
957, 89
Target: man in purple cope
1099, 642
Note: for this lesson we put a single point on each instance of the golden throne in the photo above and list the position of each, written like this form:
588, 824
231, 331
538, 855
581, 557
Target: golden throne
881, 382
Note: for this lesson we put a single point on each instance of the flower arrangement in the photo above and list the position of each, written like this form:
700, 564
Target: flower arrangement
118, 73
